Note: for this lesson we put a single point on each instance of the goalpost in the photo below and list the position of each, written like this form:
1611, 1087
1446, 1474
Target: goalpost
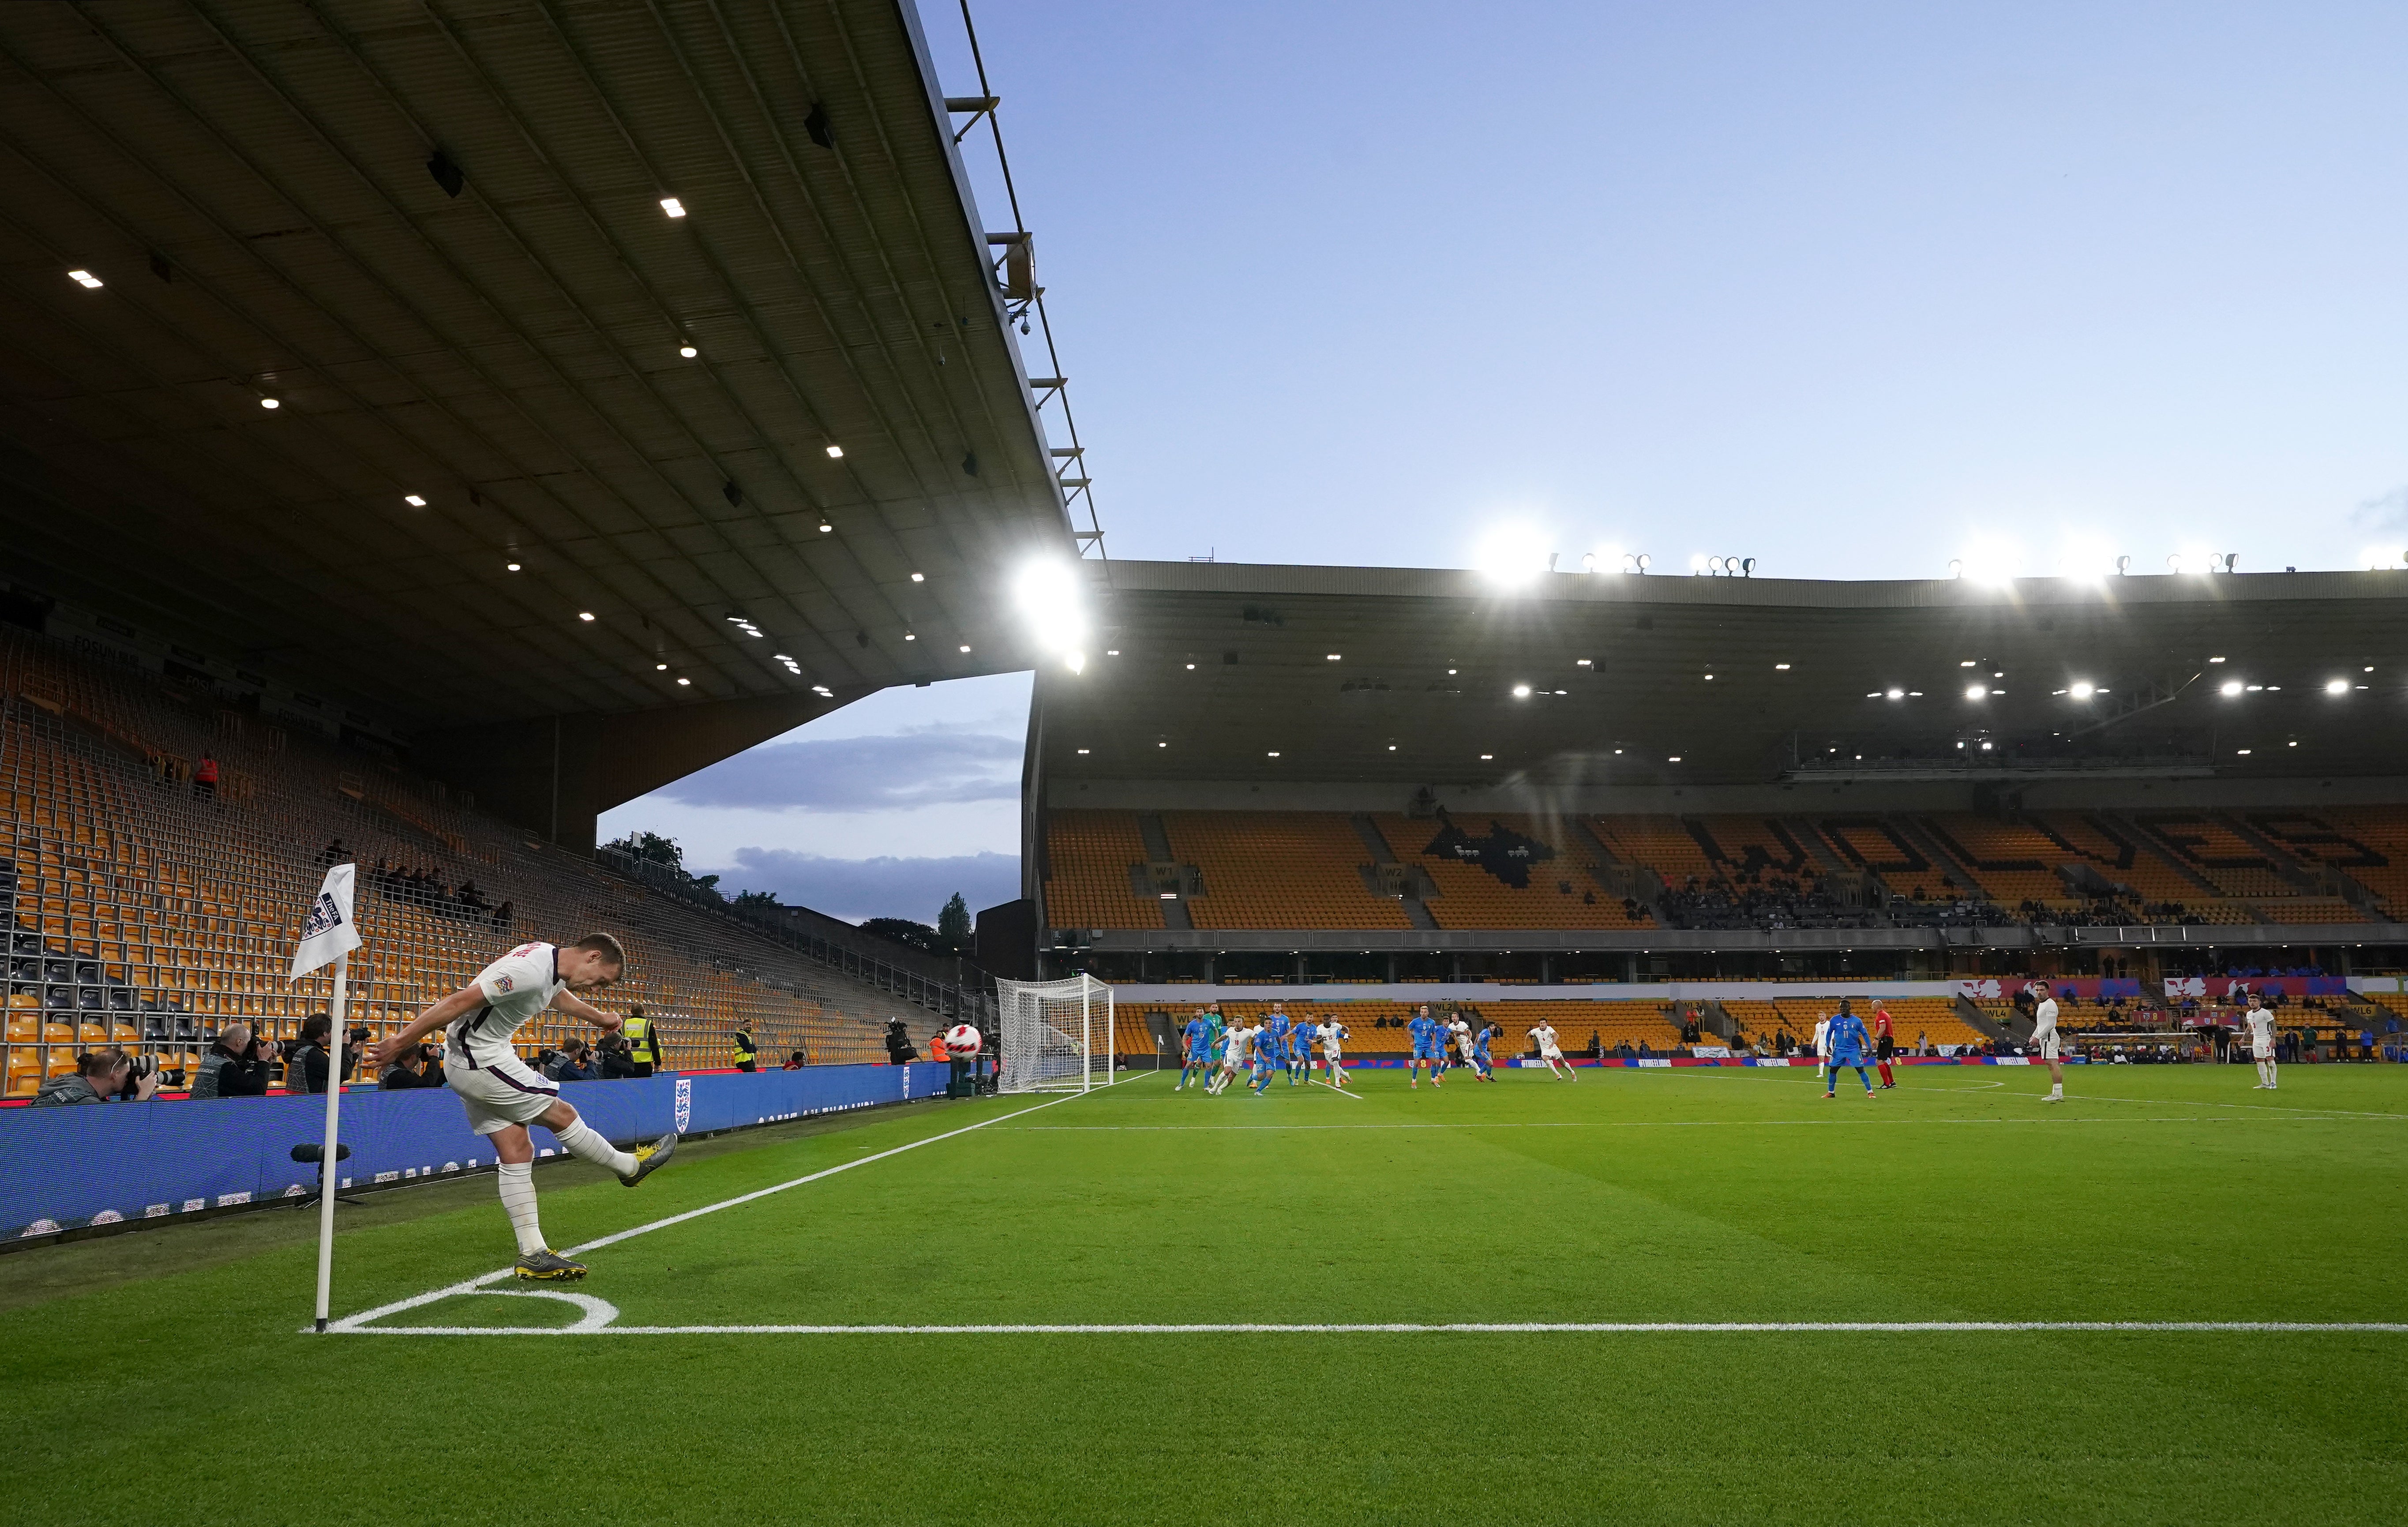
1057, 1036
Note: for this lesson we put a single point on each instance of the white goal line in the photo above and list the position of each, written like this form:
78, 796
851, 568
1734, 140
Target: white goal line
598, 1316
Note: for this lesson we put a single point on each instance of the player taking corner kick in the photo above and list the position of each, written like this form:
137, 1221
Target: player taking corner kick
503, 1096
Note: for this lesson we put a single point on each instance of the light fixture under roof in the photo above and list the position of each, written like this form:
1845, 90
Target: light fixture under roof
2230, 687
919, 578
1895, 694
1521, 691
683, 680
791, 666
1083, 752
659, 668
2216, 659
2337, 686
1967, 663
1334, 656
86, 280
585, 614
1583, 662
1273, 755
413, 500
673, 207
965, 646
1486, 757
911, 636
1976, 691
825, 527
1781, 668
823, 691
836, 452
271, 403
2081, 689
688, 351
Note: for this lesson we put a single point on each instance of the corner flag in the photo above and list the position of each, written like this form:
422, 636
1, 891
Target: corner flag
329, 933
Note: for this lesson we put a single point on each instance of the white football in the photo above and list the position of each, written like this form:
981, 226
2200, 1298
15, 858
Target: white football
962, 1039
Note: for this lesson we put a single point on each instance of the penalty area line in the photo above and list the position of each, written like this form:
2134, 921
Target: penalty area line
357, 1324
1339, 1090
1584, 1328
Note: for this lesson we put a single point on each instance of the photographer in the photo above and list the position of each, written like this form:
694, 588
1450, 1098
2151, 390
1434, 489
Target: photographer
899, 1045
98, 1077
407, 1071
308, 1065
618, 1062
235, 1065
573, 1063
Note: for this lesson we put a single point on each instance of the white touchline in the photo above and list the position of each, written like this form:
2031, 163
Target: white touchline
352, 1324
2044, 1122
587, 1327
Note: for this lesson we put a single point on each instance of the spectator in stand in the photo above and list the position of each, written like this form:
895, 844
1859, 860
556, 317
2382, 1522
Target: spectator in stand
899, 1045
98, 1077
234, 1065
205, 778
334, 853
796, 1062
503, 914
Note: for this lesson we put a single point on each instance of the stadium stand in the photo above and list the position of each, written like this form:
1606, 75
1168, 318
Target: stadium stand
1088, 857
1277, 870
2368, 844
1506, 871
145, 914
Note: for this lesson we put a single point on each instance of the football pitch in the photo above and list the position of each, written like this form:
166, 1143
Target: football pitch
1691, 1295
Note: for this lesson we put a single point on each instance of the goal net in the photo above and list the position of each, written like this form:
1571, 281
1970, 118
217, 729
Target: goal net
1057, 1036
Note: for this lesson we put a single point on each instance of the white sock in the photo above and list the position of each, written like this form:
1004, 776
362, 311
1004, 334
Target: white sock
518, 1202
582, 1141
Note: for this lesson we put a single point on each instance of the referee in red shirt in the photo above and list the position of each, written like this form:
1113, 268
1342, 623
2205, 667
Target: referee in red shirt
1884, 1043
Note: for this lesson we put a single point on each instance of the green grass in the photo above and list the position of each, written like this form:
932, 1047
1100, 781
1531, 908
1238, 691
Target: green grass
161, 1376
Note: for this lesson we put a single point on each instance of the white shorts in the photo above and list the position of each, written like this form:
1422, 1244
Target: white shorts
1550, 1053
2261, 1052
1331, 1052
500, 1095
2046, 1040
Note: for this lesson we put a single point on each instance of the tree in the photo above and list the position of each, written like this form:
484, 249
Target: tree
953, 924
651, 848
762, 900
903, 931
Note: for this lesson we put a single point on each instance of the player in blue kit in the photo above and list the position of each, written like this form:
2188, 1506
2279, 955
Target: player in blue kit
1849, 1043
1299, 1051
1428, 1043
1482, 1065
1195, 1050
1270, 1045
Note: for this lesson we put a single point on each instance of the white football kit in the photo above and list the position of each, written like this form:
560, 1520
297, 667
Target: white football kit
1545, 1036
497, 1088
2045, 1029
1462, 1032
1332, 1036
1242, 1049
2261, 1033
1823, 1038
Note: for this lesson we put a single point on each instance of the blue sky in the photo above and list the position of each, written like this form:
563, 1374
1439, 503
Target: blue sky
1851, 289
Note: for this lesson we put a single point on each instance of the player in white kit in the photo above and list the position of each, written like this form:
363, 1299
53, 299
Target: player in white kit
1238, 1059
2260, 1025
503, 1096
1333, 1041
1544, 1037
1822, 1049
2045, 1041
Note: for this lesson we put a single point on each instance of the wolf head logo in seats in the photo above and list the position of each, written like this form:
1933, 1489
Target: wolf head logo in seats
1504, 852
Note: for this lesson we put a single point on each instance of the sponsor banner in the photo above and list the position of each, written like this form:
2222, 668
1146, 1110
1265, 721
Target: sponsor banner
2233, 988
77, 1166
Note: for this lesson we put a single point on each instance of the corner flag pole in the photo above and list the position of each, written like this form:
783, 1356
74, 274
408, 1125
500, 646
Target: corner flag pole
326, 1161
329, 934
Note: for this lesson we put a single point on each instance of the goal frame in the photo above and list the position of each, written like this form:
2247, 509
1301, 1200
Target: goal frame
1052, 1035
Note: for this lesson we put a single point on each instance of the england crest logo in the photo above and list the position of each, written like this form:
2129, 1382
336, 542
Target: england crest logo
322, 917
684, 1102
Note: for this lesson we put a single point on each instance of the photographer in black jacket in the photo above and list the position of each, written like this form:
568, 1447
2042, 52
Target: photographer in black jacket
236, 1066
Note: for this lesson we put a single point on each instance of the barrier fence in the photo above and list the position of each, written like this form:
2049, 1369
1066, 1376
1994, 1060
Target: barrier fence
63, 1169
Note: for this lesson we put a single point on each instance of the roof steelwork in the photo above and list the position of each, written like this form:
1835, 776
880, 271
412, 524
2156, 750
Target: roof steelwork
681, 310
1259, 674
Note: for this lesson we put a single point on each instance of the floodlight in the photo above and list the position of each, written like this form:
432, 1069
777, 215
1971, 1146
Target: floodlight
1050, 600
1976, 691
269, 403
85, 279
413, 500
1895, 694
2337, 686
688, 351
1521, 691
685, 681
2231, 687
2081, 689
585, 614
836, 452
673, 207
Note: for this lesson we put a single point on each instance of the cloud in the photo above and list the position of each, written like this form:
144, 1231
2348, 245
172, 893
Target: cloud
2385, 512
875, 887
925, 766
